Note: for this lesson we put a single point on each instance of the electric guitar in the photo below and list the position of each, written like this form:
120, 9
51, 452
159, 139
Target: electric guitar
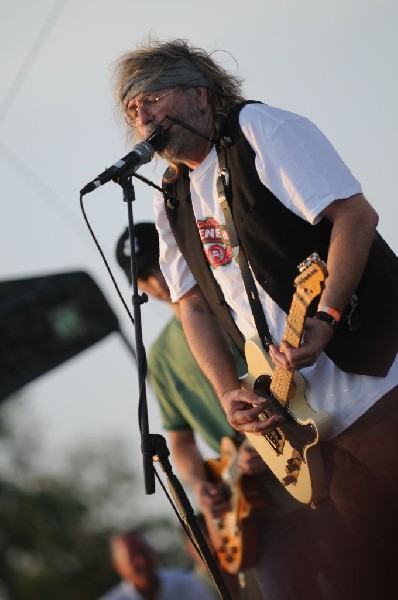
235, 535
291, 450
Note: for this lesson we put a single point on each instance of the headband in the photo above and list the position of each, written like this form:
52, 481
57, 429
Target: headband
181, 72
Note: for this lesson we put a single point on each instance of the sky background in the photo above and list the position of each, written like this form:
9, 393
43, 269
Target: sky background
333, 62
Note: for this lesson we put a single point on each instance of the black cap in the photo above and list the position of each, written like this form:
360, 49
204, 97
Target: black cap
146, 249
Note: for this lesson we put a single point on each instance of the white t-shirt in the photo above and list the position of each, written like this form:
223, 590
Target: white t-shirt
302, 169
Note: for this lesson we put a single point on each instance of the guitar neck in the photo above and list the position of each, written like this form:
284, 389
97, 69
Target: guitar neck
231, 473
282, 379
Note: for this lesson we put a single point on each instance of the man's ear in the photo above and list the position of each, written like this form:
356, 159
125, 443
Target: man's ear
202, 100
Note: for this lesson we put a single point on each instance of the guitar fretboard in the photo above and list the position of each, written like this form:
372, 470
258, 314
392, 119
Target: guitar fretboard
282, 379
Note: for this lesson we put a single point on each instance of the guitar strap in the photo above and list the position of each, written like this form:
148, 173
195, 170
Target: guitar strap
224, 195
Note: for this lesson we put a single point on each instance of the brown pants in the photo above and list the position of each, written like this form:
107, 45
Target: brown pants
346, 549
361, 468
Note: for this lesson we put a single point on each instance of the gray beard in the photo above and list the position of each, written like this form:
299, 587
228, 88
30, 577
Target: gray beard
179, 142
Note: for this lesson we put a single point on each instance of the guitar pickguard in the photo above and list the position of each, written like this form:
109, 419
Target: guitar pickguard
299, 435
291, 449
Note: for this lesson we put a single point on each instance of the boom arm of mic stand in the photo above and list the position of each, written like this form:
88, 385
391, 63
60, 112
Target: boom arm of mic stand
161, 454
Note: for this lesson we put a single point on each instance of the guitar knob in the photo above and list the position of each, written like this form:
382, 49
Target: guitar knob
291, 467
289, 479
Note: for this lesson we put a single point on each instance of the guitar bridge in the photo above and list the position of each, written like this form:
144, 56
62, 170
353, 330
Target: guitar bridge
275, 438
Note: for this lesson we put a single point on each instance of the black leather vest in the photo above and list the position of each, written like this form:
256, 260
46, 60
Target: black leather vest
276, 241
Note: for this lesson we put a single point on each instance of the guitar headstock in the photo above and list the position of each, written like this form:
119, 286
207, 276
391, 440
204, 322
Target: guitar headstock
313, 273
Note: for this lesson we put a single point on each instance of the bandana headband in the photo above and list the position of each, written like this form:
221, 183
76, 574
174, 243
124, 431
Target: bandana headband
181, 72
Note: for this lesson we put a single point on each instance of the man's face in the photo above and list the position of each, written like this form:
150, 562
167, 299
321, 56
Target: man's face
185, 104
143, 108
154, 284
135, 561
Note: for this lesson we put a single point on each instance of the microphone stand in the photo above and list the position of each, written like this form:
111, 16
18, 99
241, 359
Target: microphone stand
153, 446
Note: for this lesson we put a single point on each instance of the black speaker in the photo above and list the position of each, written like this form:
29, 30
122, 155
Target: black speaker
46, 320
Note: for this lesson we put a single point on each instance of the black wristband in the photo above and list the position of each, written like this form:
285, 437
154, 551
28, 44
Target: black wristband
324, 316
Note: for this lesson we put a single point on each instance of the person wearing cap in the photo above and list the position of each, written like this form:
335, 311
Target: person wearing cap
189, 407
249, 182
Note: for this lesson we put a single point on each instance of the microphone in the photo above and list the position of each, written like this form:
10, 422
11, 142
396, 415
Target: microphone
141, 154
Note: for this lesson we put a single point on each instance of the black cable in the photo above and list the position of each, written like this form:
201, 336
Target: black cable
105, 261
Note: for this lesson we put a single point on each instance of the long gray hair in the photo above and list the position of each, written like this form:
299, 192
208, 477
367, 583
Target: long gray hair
180, 64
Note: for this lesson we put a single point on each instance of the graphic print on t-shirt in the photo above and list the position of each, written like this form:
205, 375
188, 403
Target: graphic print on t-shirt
215, 240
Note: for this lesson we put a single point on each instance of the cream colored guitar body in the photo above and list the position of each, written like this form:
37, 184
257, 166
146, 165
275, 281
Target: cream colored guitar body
291, 450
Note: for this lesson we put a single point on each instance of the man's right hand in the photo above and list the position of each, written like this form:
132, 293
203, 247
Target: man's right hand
211, 498
243, 408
